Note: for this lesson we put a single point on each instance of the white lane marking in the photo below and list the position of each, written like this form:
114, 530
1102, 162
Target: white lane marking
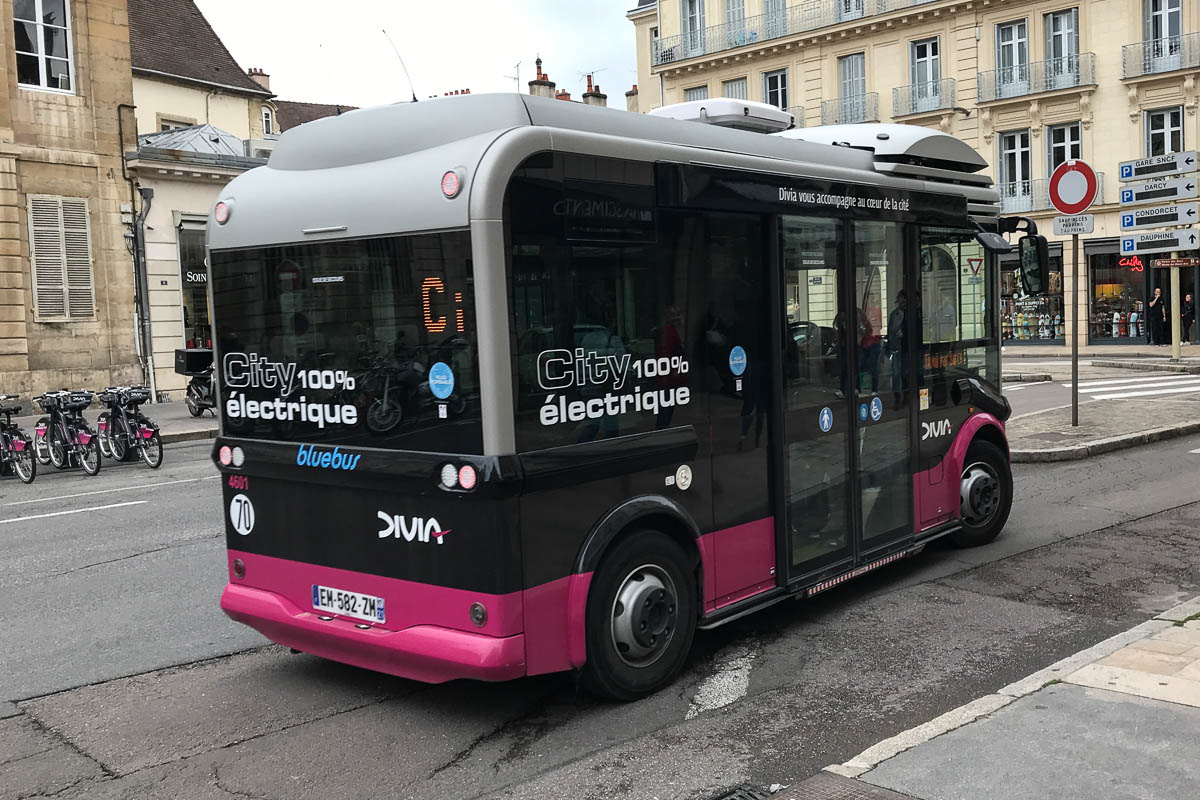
1150, 393
1194, 452
74, 511
109, 491
1008, 389
1116, 381
727, 685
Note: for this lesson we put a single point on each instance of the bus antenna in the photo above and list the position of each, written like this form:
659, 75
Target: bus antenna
411, 88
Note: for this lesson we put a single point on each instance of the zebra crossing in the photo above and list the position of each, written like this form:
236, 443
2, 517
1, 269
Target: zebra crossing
1150, 385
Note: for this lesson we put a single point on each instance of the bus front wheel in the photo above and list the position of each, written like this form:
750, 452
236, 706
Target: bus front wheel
641, 617
985, 493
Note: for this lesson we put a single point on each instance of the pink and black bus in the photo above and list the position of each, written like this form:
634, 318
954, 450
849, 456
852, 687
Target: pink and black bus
511, 386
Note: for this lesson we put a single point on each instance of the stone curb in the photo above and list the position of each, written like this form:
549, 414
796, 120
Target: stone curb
873, 756
1101, 446
8, 710
187, 436
1025, 377
1151, 366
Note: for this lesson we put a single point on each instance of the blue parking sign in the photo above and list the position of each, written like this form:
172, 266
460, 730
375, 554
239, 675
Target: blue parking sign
1127, 195
1127, 245
1127, 220
1127, 170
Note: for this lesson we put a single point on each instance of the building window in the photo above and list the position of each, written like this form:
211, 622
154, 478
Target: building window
1118, 298
1062, 49
775, 88
735, 89
61, 258
850, 9
1164, 131
1162, 19
1012, 59
693, 26
268, 121
167, 124
852, 78
695, 93
1064, 143
43, 43
925, 74
1015, 187
1031, 318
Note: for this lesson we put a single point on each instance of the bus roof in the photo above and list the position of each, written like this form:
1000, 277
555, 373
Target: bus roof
378, 171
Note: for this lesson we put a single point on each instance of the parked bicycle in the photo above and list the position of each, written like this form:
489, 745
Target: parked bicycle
16, 448
123, 428
64, 438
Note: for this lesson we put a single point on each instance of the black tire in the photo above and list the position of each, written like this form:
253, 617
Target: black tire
192, 406
647, 569
90, 458
60, 456
152, 451
41, 447
24, 463
986, 495
103, 434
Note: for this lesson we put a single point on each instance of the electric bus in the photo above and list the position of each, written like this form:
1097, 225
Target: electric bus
511, 385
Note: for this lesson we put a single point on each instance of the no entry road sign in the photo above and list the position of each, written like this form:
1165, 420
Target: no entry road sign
1073, 187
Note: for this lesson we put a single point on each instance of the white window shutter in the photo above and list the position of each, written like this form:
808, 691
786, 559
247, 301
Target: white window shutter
77, 240
47, 260
61, 258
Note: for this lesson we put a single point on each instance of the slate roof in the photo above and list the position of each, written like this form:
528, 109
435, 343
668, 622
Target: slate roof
172, 37
292, 113
195, 139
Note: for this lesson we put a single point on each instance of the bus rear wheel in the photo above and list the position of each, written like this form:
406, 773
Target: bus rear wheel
985, 493
641, 617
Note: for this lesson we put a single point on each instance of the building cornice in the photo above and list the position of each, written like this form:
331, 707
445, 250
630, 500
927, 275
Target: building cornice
224, 87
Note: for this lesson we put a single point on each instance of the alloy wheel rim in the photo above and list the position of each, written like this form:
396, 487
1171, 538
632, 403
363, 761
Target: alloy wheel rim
644, 615
979, 494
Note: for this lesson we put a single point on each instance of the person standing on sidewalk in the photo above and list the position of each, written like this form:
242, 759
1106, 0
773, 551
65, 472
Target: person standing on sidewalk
1158, 317
1189, 316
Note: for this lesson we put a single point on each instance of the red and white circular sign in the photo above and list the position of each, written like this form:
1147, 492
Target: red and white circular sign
1073, 188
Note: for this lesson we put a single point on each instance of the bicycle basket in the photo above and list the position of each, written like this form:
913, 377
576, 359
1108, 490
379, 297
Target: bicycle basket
48, 402
77, 401
136, 395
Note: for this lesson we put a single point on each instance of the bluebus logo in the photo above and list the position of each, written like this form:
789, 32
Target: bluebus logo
309, 456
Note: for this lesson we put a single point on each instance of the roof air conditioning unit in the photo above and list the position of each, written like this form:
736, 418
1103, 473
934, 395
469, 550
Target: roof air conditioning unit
725, 112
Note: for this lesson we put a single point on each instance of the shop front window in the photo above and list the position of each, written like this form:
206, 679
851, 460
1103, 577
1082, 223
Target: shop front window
1118, 297
193, 274
1031, 318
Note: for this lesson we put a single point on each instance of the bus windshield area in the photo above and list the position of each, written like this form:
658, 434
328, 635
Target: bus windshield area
355, 342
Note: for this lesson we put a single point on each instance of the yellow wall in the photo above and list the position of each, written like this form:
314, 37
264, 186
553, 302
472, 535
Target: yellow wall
239, 115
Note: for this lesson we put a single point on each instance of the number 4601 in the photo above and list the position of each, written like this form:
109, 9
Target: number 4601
239, 482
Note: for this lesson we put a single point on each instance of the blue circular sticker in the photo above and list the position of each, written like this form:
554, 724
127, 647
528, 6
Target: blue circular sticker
737, 360
441, 380
825, 419
876, 408
863, 412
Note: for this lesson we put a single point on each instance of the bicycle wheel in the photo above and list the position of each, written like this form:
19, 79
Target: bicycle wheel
89, 456
103, 434
24, 463
41, 445
152, 451
59, 455
118, 441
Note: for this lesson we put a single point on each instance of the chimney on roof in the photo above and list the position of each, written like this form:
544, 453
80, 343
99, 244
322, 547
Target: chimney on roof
260, 77
631, 99
593, 96
563, 94
541, 86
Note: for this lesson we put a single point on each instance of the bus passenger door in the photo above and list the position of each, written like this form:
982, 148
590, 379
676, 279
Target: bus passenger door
813, 465
882, 390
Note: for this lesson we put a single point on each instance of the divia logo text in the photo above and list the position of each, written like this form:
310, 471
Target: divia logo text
936, 429
309, 456
411, 528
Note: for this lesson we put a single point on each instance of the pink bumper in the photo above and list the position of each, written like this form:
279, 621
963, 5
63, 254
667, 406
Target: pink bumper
428, 653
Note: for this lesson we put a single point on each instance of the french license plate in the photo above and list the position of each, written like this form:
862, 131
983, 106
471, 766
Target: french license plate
348, 604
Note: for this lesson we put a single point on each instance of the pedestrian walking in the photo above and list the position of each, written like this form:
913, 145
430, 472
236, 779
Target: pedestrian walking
1158, 317
1188, 316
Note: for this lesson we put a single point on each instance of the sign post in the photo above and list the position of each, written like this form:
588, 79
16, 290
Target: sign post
1073, 187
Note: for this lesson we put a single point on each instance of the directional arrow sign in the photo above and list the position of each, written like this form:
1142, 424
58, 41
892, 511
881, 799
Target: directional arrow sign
1167, 189
1160, 216
1159, 242
1158, 166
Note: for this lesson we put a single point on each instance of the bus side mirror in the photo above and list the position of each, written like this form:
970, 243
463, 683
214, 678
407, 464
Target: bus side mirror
1035, 263
993, 242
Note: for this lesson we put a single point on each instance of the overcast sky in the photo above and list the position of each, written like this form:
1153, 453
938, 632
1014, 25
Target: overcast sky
327, 52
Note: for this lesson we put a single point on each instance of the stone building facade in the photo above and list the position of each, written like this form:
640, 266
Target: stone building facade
66, 274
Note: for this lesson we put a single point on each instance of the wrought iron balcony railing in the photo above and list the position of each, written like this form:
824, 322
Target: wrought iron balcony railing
802, 17
920, 97
1034, 195
1038, 76
847, 110
1160, 55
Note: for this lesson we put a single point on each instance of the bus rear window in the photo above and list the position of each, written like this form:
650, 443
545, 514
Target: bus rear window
367, 343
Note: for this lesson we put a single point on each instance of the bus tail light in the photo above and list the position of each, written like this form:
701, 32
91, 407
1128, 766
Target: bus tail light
449, 476
451, 183
467, 477
225, 456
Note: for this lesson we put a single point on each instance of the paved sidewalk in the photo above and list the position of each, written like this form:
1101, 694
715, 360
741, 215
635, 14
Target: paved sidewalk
1139, 350
1118, 720
1104, 426
175, 424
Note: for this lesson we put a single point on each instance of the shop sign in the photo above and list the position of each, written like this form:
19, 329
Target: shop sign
1160, 263
194, 277
1160, 216
1134, 263
1156, 166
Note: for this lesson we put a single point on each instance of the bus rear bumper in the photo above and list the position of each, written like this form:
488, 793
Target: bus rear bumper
427, 653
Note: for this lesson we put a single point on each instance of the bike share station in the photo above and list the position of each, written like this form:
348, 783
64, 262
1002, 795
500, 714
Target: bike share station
1170, 179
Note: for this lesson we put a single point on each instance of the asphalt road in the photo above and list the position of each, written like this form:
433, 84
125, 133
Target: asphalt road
1096, 384
130, 683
